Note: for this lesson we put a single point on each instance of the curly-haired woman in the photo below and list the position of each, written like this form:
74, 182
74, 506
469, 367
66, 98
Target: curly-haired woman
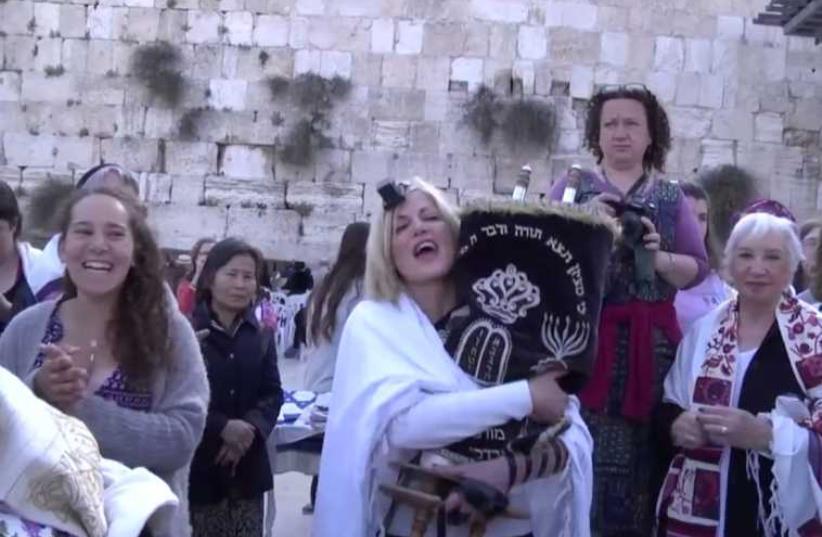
628, 132
113, 351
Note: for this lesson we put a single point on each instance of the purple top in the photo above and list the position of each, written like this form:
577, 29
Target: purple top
114, 388
693, 303
686, 233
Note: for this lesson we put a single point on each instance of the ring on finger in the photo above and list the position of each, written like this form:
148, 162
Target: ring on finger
723, 429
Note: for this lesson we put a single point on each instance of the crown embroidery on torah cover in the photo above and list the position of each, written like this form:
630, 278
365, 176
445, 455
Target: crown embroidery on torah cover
533, 280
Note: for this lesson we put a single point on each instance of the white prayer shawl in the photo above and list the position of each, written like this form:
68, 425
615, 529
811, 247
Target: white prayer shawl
798, 496
391, 358
51, 473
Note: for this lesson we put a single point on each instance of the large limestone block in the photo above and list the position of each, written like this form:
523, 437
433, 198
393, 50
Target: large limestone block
614, 48
409, 37
180, 227
190, 158
249, 193
38, 87
72, 21
238, 27
75, 152
398, 104
271, 31
433, 73
532, 43
136, 154
173, 25
28, 150
689, 122
807, 114
243, 161
346, 34
274, 231
382, 35
669, 54
49, 53
15, 17
391, 134
335, 63
574, 47
468, 71
502, 42
399, 71
769, 127
203, 27
19, 52
444, 38
227, 94
143, 24
325, 197
511, 11
372, 166
10, 86
716, 153
46, 19
571, 15
733, 125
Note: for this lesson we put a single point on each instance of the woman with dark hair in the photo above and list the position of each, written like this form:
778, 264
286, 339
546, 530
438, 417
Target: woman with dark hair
110, 351
660, 251
187, 288
693, 303
231, 471
18, 260
331, 303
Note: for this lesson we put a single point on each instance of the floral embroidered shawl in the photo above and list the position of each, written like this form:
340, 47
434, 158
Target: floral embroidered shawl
690, 497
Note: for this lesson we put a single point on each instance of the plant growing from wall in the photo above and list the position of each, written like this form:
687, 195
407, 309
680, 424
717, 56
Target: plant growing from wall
482, 112
157, 66
731, 189
188, 127
528, 122
521, 122
315, 97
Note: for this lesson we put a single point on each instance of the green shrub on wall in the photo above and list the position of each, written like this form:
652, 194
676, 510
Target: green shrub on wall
157, 66
315, 97
520, 122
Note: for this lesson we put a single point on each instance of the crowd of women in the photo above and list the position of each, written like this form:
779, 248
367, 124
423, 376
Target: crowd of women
700, 416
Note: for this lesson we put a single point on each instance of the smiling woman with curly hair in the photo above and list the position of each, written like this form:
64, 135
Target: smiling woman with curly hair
114, 351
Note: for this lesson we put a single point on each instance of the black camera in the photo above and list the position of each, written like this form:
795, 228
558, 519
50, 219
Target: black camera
630, 215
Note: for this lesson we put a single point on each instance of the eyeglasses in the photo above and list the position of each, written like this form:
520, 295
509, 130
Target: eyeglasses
619, 88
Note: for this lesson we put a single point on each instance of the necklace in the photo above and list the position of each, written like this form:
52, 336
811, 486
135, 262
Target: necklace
92, 349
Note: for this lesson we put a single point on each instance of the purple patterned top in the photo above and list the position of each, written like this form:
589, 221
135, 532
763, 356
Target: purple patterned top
15, 525
114, 388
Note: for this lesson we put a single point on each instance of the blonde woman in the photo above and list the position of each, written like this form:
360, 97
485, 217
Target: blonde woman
398, 393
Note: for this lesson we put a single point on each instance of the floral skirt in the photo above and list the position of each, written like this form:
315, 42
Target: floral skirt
629, 462
234, 517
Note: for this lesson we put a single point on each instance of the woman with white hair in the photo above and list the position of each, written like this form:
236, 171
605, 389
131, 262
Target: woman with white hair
398, 393
743, 400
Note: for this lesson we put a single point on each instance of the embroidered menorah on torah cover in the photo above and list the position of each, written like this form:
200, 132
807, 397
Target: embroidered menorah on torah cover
533, 278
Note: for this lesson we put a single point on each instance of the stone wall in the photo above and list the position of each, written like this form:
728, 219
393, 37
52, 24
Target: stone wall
736, 93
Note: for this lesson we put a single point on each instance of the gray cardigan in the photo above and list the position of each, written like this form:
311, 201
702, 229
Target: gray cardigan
163, 439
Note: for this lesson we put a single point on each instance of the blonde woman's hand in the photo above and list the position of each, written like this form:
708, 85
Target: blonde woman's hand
547, 398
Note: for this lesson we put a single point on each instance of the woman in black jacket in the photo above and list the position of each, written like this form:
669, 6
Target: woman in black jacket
231, 472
